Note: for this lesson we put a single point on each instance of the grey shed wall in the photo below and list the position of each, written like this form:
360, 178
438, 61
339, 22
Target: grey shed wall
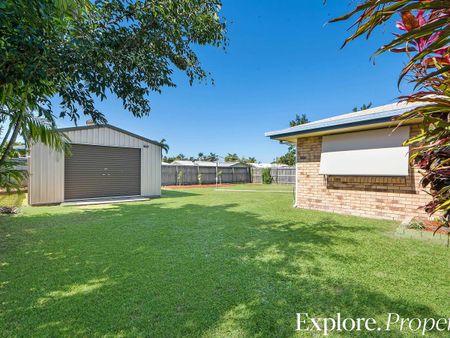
46, 166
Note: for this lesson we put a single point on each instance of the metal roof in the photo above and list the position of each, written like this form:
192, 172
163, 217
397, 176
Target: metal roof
113, 128
363, 117
232, 164
269, 165
182, 162
205, 163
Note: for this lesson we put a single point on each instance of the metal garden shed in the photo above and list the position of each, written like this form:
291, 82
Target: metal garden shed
105, 161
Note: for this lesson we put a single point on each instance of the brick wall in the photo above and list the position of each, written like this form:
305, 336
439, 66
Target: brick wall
379, 197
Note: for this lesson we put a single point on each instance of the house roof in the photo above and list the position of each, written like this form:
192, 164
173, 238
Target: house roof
113, 128
360, 118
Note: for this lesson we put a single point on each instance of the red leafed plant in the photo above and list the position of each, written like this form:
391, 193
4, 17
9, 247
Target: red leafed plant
424, 35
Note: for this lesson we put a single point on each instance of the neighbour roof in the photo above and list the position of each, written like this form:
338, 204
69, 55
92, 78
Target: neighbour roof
232, 164
364, 117
182, 162
205, 163
113, 128
268, 165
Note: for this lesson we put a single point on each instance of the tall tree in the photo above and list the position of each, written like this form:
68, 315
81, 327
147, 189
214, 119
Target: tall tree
247, 160
232, 157
79, 50
424, 36
363, 107
211, 157
299, 119
164, 146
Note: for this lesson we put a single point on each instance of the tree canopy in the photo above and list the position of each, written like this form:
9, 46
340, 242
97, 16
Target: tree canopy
211, 157
363, 107
81, 51
299, 119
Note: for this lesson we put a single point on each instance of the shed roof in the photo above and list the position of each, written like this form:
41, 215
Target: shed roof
113, 128
360, 118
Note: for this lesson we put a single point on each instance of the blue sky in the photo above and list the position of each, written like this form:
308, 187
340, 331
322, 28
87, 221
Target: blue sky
281, 60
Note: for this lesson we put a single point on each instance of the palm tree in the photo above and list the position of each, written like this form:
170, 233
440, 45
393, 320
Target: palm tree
363, 107
299, 119
30, 127
164, 145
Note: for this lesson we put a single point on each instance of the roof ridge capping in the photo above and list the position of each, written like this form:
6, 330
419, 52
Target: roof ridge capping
375, 114
120, 130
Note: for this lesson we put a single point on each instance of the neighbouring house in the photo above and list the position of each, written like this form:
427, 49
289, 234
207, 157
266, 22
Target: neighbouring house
105, 161
356, 164
221, 164
233, 165
268, 165
182, 162
206, 163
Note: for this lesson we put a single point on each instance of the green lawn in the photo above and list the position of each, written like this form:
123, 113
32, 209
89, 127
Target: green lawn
207, 263
263, 187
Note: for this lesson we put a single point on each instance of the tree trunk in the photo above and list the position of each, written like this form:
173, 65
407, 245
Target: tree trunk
9, 147
6, 137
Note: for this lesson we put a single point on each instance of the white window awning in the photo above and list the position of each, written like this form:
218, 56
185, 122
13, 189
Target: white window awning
367, 153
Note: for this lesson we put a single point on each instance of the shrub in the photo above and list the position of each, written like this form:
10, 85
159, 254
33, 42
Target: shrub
180, 177
424, 36
266, 176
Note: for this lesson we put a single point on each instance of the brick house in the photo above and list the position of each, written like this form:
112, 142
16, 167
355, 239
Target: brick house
356, 164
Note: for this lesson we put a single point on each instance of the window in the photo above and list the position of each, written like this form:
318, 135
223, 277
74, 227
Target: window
376, 152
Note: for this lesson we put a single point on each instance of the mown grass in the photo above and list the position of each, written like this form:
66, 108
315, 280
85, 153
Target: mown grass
262, 187
207, 263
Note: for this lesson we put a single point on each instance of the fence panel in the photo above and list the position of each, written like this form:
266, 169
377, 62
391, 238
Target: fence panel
256, 175
280, 175
170, 174
208, 174
226, 175
286, 176
241, 175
